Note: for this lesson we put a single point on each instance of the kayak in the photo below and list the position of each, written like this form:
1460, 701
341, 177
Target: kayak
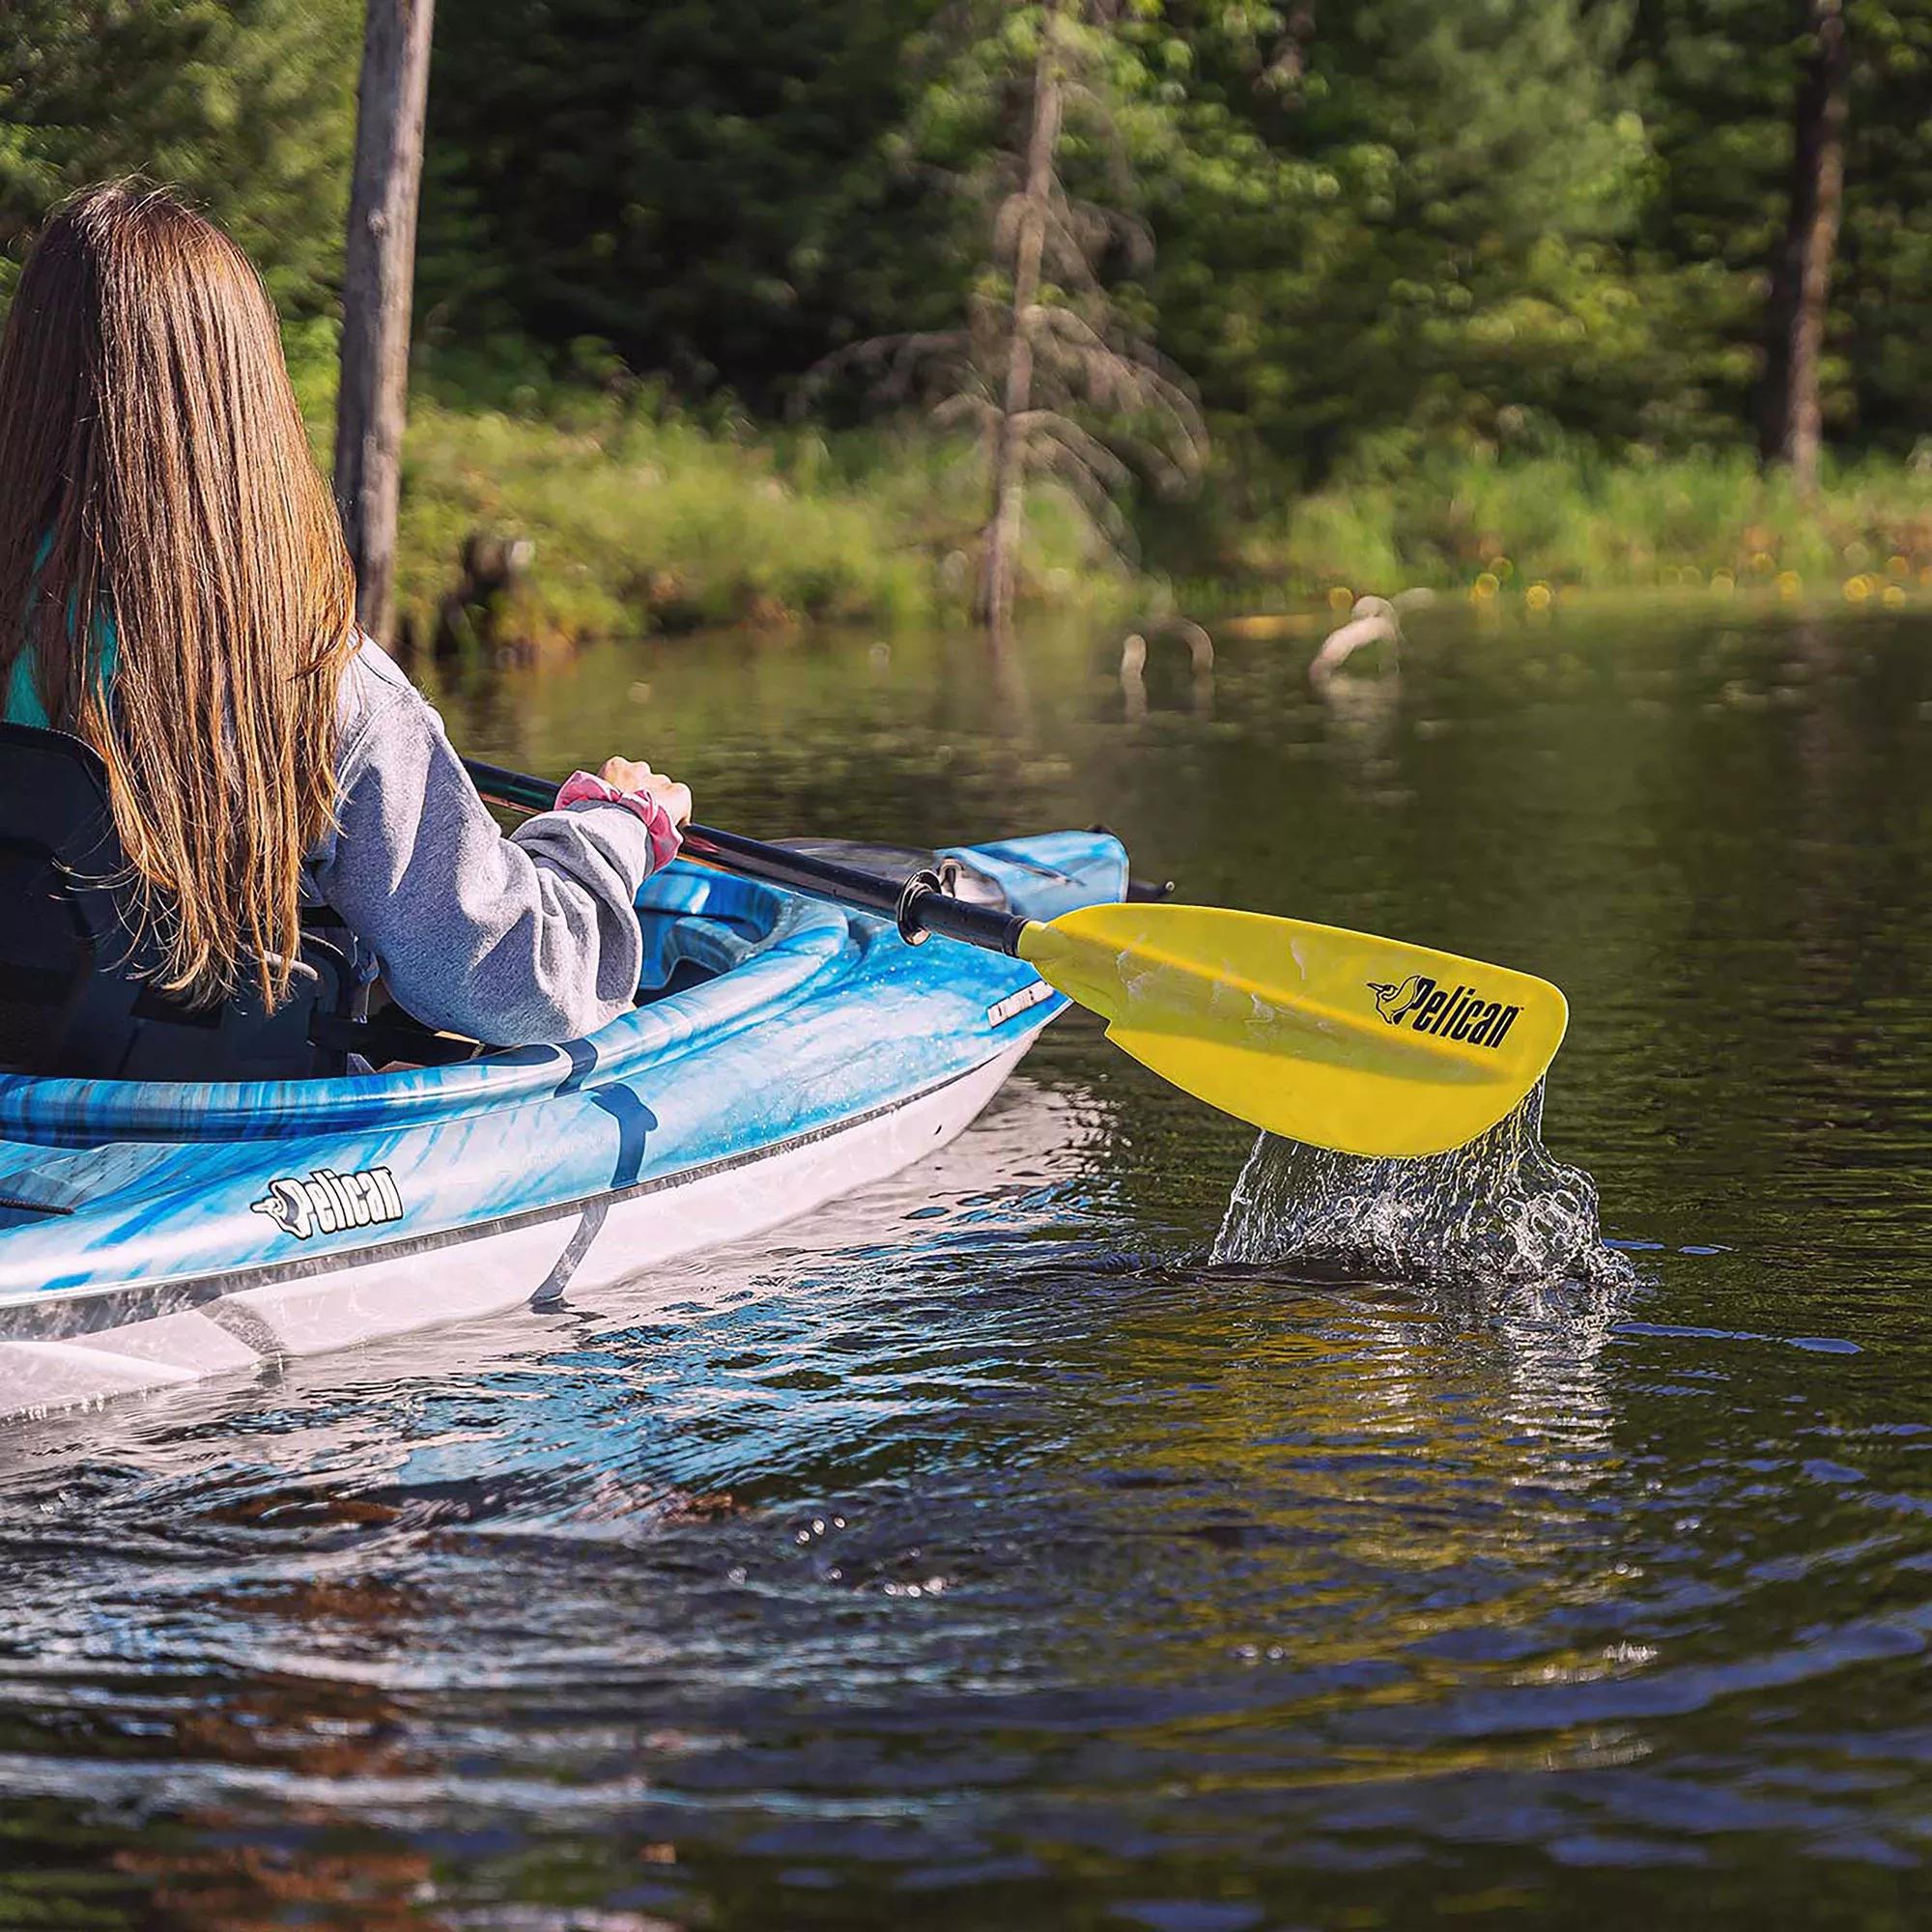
782, 1051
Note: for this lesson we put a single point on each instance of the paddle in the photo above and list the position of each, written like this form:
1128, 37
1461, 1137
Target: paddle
1367, 1045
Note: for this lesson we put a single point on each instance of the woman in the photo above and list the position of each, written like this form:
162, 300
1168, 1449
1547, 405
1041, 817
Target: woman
174, 590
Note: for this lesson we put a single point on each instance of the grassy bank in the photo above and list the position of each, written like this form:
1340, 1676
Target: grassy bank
644, 518
649, 521
1584, 522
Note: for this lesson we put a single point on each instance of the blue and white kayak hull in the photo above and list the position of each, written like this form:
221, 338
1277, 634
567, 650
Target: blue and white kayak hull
154, 1235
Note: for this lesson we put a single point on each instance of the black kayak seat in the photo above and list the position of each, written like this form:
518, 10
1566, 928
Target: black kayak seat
78, 979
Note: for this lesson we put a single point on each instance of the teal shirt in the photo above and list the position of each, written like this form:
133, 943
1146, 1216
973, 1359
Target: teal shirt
23, 700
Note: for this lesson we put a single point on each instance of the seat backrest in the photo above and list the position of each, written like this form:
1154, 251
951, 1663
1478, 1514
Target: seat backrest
78, 992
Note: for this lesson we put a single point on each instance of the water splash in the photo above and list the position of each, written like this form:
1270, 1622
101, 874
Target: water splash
1499, 1211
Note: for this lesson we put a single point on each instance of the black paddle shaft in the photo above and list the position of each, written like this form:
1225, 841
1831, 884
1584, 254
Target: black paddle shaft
918, 904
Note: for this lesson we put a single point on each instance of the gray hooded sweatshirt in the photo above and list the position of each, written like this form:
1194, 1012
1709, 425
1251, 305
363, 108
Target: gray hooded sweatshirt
509, 940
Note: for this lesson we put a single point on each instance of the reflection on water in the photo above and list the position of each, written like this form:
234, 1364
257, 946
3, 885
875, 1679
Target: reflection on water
983, 1553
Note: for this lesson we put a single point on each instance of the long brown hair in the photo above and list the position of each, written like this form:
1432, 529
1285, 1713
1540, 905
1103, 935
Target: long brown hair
157, 487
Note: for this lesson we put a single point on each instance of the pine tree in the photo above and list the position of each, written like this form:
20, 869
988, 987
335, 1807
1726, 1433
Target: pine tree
1883, 282
1404, 221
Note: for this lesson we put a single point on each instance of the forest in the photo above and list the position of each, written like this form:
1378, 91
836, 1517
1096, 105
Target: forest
716, 299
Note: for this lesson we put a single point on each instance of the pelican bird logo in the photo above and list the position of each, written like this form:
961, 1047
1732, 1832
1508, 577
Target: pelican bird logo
328, 1203
1396, 1002
286, 1204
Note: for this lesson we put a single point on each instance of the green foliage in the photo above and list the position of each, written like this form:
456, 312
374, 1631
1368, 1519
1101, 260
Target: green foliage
1574, 518
648, 518
1382, 228
1500, 262
1389, 242
1717, 79
246, 104
1884, 290
696, 182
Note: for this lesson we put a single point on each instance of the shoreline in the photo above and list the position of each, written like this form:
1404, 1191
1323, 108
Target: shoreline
639, 522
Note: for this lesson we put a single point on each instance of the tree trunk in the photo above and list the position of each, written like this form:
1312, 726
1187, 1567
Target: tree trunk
1801, 284
379, 272
1000, 570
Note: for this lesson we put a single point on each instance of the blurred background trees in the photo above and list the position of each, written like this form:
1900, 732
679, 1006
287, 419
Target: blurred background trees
1372, 235
249, 104
1037, 120
1376, 223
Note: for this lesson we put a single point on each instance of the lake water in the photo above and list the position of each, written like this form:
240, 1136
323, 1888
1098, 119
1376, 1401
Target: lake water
980, 1553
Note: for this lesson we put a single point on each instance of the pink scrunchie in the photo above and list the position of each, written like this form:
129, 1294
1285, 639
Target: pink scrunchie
582, 788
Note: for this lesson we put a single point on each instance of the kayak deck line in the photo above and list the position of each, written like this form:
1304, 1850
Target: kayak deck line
43, 1316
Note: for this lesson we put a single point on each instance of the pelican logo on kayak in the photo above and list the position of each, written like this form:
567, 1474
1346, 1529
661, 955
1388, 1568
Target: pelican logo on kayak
328, 1203
1460, 1013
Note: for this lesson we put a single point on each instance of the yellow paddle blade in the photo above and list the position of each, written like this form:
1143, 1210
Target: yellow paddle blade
1367, 1045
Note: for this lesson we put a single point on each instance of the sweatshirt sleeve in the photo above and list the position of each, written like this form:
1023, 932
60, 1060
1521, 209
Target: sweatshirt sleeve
510, 940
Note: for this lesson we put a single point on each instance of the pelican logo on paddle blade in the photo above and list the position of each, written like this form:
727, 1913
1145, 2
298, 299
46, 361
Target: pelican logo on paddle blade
1460, 1013
1393, 1002
328, 1203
